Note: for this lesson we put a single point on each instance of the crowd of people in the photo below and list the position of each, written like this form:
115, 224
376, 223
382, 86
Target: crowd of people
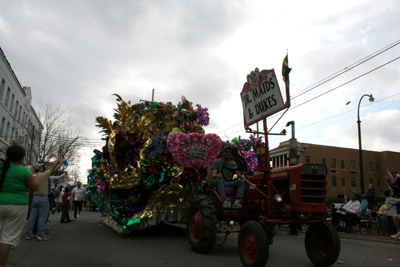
388, 214
28, 194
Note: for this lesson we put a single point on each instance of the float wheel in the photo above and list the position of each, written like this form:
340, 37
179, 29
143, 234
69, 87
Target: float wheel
202, 224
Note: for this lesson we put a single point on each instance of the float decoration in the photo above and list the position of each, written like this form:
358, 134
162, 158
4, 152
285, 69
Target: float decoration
152, 164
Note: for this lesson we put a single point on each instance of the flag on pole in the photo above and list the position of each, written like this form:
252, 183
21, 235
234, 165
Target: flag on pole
285, 67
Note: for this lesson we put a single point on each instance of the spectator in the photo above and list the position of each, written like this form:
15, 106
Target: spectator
13, 199
394, 183
331, 208
348, 213
78, 195
370, 197
384, 220
58, 195
293, 229
65, 202
391, 211
52, 193
40, 202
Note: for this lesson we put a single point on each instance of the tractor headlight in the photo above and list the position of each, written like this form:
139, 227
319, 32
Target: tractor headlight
278, 198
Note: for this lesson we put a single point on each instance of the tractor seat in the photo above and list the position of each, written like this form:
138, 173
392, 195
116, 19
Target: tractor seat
228, 190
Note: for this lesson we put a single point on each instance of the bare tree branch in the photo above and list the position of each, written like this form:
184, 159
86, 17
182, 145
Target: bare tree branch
59, 135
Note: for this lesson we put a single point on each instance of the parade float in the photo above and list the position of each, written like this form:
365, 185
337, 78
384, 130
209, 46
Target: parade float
154, 162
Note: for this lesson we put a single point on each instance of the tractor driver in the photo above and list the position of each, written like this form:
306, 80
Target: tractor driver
220, 182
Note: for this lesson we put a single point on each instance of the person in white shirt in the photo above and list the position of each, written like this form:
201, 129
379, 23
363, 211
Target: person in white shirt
78, 195
348, 213
52, 191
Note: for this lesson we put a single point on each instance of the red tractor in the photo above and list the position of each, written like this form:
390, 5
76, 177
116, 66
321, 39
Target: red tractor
294, 195
289, 195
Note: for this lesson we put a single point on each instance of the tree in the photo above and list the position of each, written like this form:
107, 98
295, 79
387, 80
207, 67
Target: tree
59, 135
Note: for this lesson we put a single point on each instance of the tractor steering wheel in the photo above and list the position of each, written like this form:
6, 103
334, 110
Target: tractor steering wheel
242, 167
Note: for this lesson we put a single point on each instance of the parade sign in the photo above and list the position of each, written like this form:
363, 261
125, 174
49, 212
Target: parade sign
261, 96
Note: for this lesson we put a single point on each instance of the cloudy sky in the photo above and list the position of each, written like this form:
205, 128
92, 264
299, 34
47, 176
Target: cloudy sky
79, 53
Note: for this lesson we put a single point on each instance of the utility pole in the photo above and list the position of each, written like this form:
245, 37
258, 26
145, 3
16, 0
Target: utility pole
293, 146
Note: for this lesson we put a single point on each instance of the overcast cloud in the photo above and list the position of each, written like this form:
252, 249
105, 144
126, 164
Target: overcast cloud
79, 53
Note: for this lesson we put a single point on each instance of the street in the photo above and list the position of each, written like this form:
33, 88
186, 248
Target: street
88, 242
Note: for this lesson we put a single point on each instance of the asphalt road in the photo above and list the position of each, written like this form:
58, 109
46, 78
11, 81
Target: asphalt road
88, 242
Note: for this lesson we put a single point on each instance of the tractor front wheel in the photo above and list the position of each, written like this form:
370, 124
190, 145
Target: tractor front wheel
202, 224
322, 244
253, 244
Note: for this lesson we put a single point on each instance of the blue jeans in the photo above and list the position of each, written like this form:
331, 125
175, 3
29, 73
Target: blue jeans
39, 212
220, 183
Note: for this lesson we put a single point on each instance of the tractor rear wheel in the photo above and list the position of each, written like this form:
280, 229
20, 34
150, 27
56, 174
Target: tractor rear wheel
202, 224
322, 244
253, 244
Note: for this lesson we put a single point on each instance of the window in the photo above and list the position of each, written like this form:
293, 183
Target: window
370, 166
7, 97
307, 159
20, 112
3, 124
379, 183
333, 180
342, 164
377, 167
12, 103
333, 163
16, 109
12, 134
324, 161
6, 134
343, 182
371, 181
3, 82
352, 165
353, 182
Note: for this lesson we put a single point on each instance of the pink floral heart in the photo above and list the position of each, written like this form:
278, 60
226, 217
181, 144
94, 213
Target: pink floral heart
194, 150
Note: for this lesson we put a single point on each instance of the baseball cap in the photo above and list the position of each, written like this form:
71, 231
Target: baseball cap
36, 166
226, 146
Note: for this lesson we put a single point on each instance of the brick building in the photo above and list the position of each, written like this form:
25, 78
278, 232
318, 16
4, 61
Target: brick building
343, 175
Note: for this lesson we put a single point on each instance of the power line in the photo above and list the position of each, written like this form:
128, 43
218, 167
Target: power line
350, 67
337, 115
309, 100
345, 83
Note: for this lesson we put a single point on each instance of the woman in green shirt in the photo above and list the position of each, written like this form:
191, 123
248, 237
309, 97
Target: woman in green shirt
13, 199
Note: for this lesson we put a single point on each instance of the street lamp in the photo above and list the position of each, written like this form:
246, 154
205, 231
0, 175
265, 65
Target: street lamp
371, 99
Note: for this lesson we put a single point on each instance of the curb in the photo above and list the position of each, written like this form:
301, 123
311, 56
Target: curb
378, 239
357, 236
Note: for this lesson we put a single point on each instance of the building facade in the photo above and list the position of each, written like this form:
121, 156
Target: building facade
343, 175
18, 120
